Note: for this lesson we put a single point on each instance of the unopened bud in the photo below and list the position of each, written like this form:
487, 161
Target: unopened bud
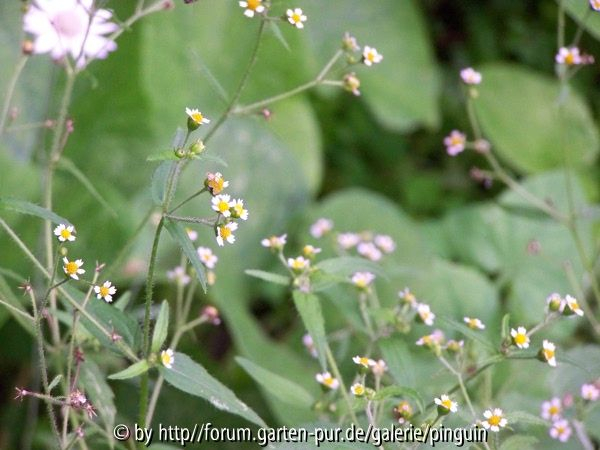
197, 147
27, 47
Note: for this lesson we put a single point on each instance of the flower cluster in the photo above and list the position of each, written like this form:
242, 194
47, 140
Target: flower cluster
293, 16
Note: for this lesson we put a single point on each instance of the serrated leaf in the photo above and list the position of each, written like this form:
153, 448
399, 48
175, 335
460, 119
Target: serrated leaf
468, 332
400, 391
526, 418
189, 376
161, 327
178, 233
159, 182
519, 442
269, 276
132, 371
283, 389
309, 308
167, 155
24, 207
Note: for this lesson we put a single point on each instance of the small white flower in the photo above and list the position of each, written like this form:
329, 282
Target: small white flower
362, 279
238, 210
298, 264
519, 337
595, 5
474, 323
357, 389
75, 27
179, 275
455, 142
369, 251
371, 56
379, 368
73, 268
435, 338
321, 227
252, 7
568, 56
446, 403
65, 233
327, 380
364, 361
215, 183
310, 251
408, 297
425, 314
348, 240
552, 409
296, 17
560, 430
572, 307
225, 233
221, 204
192, 234
167, 358
274, 242
106, 291
494, 420
196, 116
548, 353
308, 342
470, 76
385, 243
590, 392
555, 302
207, 257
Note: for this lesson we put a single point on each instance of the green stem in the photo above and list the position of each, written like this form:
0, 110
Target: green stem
338, 375
560, 33
191, 197
581, 28
12, 84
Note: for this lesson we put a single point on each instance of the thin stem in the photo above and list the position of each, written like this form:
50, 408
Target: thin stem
581, 28
560, 33
581, 434
338, 375
576, 285
191, 197
203, 221
16, 310
12, 84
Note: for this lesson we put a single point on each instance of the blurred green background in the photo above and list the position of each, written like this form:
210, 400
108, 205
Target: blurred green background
373, 162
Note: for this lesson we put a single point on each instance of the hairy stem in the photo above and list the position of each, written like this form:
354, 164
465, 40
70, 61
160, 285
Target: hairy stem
12, 84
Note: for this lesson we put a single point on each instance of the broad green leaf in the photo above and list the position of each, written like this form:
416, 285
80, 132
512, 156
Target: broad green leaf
285, 390
132, 371
167, 155
178, 233
403, 89
161, 327
269, 276
69, 166
400, 391
31, 209
99, 393
192, 378
522, 417
397, 355
519, 442
583, 15
309, 308
159, 182
531, 123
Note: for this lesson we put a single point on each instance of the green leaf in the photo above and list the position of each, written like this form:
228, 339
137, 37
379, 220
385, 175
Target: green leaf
397, 356
519, 442
578, 10
348, 265
505, 326
132, 371
309, 308
283, 389
400, 391
279, 35
525, 418
556, 121
161, 327
69, 166
269, 276
468, 332
99, 393
159, 182
54, 382
167, 155
192, 378
25, 207
178, 233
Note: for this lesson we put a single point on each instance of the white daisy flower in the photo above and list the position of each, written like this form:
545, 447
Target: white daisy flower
274, 242
106, 291
494, 420
435, 338
296, 17
474, 323
379, 368
70, 27
221, 204
357, 389
445, 404
298, 264
371, 56
237, 209
364, 361
65, 233
470, 76
207, 257
362, 280
252, 7
215, 183
425, 315
560, 430
369, 251
572, 307
552, 409
548, 353
179, 275
595, 5
167, 358
408, 297
321, 227
195, 117
327, 380
385, 243
569, 56
348, 240
73, 268
310, 251
590, 392
455, 142
519, 337
225, 233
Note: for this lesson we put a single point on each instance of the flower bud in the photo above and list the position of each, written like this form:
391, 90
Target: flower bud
197, 147
351, 83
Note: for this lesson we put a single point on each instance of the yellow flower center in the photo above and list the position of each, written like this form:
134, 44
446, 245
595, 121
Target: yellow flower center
427, 339
472, 323
225, 232
66, 234
447, 403
570, 59
494, 420
574, 306
554, 410
223, 206
521, 339
548, 354
560, 429
456, 140
104, 291
297, 264
197, 117
296, 17
71, 267
216, 185
359, 390
364, 361
166, 359
328, 381
371, 56
239, 209
253, 4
